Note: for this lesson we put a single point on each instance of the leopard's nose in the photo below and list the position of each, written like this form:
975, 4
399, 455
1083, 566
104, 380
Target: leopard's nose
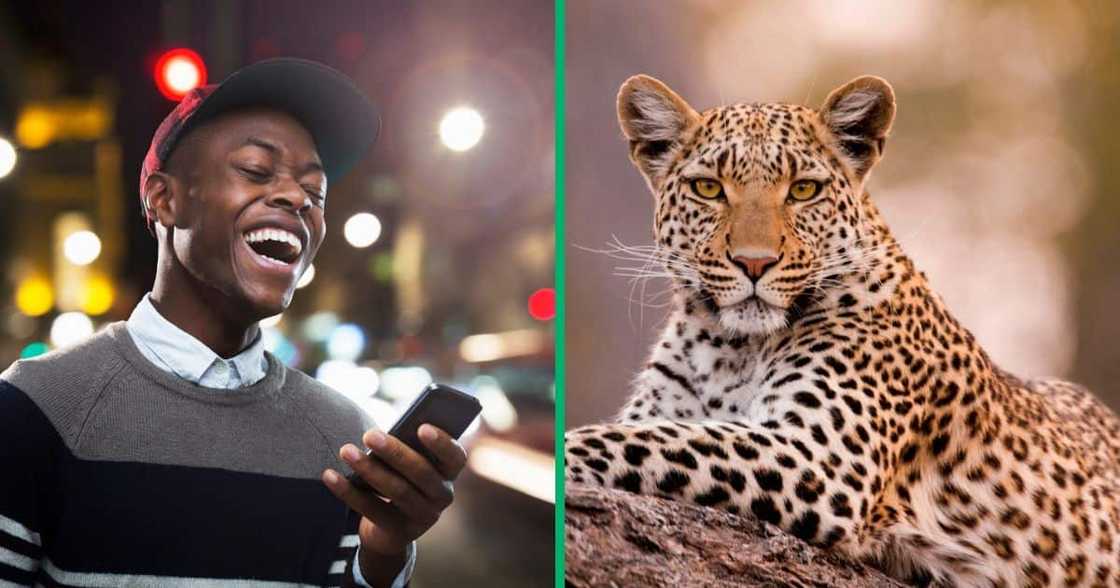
754, 267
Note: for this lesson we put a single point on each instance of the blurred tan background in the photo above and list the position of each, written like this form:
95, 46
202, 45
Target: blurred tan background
1000, 177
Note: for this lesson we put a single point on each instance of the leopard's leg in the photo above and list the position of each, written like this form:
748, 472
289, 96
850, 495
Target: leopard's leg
737, 466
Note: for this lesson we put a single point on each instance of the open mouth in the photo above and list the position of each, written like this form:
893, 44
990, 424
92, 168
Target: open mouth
275, 245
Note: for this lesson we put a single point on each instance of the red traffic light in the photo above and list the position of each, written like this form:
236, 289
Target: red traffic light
179, 71
542, 304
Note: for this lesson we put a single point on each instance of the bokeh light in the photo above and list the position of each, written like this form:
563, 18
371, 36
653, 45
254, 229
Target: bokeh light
346, 342
362, 230
359, 383
33, 349
404, 382
528, 471
499, 414
7, 157
542, 304
34, 296
278, 344
69, 328
318, 326
98, 295
81, 247
461, 128
179, 71
485, 347
35, 128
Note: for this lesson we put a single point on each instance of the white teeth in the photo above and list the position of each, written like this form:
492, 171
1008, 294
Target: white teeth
274, 235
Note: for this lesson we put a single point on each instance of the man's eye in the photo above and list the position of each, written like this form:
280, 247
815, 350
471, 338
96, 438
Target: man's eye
315, 194
255, 174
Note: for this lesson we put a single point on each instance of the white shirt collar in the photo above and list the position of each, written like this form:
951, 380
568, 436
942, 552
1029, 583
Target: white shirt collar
176, 351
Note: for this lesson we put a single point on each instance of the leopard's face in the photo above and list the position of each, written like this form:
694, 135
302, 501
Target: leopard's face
758, 206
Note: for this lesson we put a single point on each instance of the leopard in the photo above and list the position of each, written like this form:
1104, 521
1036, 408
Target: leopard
808, 374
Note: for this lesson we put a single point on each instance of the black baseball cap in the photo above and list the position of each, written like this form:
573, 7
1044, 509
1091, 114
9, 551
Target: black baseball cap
341, 119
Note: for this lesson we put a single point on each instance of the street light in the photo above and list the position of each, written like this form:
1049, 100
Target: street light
178, 72
461, 128
81, 247
542, 304
7, 157
69, 328
362, 230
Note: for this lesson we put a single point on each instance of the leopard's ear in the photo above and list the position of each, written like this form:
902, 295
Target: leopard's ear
859, 114
654, 119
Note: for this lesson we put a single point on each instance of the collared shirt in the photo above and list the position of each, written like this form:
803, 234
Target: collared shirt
176, 351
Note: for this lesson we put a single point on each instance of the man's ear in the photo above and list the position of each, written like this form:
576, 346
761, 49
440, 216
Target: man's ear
654, 120
158, 200
859, 114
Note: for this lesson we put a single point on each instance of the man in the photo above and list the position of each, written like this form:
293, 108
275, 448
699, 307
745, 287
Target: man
171, 449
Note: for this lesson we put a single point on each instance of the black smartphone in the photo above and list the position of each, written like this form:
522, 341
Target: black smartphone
438, 405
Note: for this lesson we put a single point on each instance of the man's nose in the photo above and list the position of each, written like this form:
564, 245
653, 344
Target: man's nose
290, 195
755, 266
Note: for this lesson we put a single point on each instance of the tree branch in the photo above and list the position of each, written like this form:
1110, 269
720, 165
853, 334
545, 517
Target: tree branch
614, 538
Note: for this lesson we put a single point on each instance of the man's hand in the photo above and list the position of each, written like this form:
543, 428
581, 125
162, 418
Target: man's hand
415, 490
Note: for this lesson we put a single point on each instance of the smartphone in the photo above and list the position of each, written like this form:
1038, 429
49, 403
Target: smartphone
438, 405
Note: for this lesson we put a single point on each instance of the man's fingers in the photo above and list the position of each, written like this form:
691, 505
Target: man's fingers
411, 466
450, 456
389, 483
361, 502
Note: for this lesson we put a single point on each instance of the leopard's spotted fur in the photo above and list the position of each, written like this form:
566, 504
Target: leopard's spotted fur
836, 396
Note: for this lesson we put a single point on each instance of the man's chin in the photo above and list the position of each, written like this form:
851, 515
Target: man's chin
263, 304
753, 317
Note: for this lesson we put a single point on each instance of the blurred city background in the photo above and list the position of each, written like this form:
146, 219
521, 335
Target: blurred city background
1000, 178
438, 260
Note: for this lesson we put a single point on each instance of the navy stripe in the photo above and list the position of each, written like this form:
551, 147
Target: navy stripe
185, 521
30, 448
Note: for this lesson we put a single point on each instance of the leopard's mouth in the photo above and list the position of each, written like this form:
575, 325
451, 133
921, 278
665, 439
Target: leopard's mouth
756, 303
753, 316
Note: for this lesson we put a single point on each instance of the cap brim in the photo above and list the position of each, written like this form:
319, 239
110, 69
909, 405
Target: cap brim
343, 122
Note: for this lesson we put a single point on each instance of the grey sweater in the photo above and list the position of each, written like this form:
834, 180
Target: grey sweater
115, 472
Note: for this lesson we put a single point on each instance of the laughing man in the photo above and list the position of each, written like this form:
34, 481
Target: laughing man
171, 449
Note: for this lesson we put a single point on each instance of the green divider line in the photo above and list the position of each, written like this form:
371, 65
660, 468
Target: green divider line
560, 245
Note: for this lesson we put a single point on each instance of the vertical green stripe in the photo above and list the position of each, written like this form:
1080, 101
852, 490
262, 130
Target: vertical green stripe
560, 291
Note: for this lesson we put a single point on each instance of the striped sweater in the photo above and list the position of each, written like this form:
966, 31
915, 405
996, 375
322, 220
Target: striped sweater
116, 473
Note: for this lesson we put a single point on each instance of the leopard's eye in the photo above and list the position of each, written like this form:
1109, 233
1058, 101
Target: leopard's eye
706, 188
804, 189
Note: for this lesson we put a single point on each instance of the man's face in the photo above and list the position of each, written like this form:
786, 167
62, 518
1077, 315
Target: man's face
250, 193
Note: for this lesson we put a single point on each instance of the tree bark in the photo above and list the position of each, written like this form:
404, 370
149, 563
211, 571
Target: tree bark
613, 538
